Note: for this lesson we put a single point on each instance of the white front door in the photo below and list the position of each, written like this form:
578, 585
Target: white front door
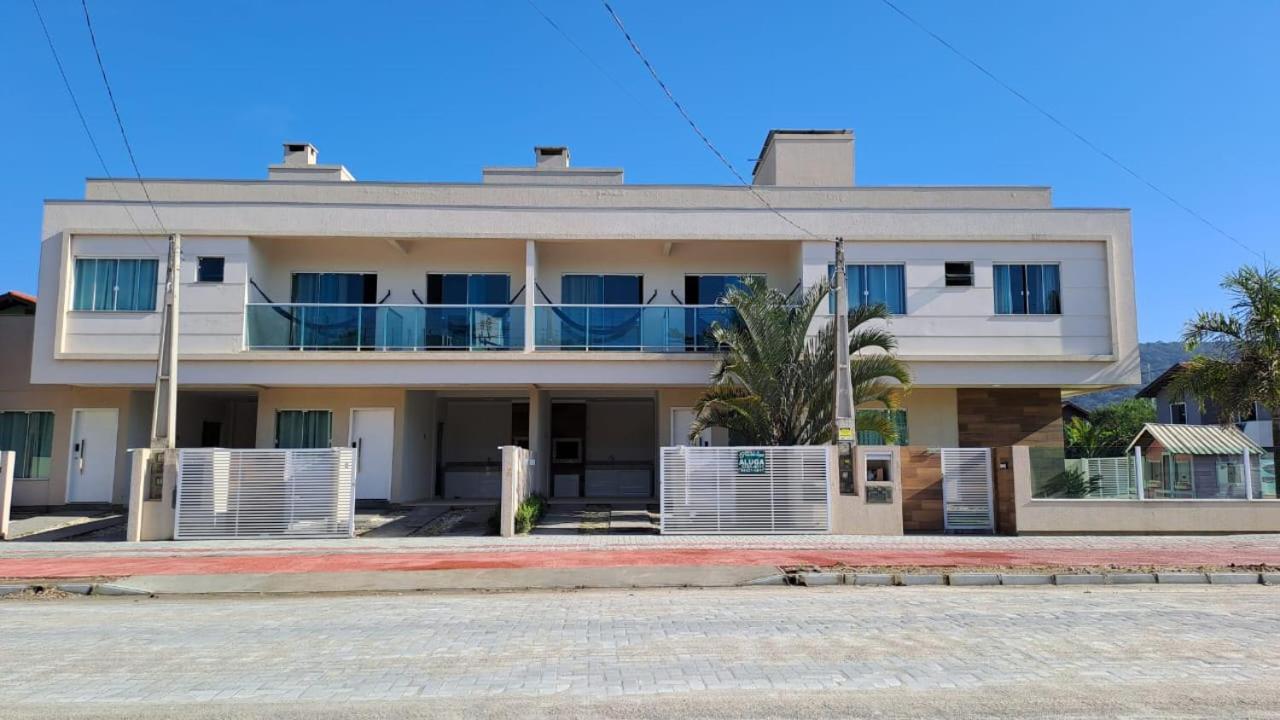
91, 473
682, 420
373, 436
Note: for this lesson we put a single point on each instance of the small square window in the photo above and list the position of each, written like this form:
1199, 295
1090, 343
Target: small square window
210, 269
959, 274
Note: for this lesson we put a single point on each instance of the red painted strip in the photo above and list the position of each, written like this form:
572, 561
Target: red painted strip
450, 560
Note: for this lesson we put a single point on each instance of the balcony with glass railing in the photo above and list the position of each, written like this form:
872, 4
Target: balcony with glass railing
320, 326
636, 328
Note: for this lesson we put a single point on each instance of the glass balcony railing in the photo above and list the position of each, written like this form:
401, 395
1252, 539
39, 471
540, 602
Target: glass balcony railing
639, 328
312, 326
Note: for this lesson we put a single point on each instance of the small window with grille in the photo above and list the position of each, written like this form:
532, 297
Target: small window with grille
959, 274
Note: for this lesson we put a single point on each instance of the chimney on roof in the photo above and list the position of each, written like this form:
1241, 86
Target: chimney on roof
805, 158
298, 154
551, 158
300, 164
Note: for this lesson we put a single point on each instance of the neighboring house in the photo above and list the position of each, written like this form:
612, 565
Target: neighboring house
1072, 411
38, 423
1200, 462
550, 306
1181, 410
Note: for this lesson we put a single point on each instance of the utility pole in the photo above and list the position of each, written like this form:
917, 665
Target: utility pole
164, 410
843, 431
843, 420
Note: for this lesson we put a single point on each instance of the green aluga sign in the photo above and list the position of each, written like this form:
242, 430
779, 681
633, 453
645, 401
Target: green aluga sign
751, 462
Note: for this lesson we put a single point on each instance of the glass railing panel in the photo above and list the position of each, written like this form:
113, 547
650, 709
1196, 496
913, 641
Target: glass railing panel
647, 328
383, 327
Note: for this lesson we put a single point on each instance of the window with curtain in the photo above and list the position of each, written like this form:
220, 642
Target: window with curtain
709, 289
899, 420
304, 429
30, 436
602, 289
334, 288
873, 285
1027, 289
468, 289
115, 284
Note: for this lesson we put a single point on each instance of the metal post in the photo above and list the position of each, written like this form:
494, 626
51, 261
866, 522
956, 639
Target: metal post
1248, 475
844, 411
1137, 471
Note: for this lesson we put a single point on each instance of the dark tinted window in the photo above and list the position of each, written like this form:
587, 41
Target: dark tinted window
959, 274
210, 269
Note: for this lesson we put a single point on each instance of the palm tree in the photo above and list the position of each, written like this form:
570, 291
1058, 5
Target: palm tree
774, 384
1245, 367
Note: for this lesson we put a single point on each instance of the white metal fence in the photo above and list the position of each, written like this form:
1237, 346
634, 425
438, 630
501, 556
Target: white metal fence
745, 490
1108, 477
265, 493
967, 493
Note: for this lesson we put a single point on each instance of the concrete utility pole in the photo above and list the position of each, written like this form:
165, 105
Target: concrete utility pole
164, 411
843, 420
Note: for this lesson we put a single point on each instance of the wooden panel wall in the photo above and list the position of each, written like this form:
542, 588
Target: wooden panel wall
921, 490
994, 417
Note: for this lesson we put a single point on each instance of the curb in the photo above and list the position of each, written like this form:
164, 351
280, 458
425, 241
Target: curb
815, 579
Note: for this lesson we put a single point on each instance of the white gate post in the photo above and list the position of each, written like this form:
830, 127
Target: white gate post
7, 460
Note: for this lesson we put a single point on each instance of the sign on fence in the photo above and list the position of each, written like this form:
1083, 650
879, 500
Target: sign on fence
759, 490
751, 462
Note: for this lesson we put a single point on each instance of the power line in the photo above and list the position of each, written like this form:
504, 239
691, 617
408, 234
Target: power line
1054, 119
83, 122
694, 126
120, 122
584, 53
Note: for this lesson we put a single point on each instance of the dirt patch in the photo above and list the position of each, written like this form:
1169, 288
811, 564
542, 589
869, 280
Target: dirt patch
39, 592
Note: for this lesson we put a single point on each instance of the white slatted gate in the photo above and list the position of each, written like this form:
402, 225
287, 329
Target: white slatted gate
967, 498
265, 493
703, 492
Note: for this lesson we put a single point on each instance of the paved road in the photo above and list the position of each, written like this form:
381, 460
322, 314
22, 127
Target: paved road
815, 652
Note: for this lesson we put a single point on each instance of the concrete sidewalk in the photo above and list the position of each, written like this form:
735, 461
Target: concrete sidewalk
598, 561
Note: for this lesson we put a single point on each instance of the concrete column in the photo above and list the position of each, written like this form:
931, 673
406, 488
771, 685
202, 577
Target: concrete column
139, 459
540, 440
530, 294
7, 460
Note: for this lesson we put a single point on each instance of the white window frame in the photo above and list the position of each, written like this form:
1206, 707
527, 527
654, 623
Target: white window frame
71, 296
1024, 264
906, 296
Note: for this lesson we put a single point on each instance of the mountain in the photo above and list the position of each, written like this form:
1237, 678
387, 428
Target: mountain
1156, 357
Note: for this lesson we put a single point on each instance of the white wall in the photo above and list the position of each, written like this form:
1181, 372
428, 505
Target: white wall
962, 322
663, 271
399, 272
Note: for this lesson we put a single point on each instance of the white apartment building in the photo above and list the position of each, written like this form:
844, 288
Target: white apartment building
550, 306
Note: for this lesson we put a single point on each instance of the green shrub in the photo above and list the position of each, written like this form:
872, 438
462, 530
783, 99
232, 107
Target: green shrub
528, 513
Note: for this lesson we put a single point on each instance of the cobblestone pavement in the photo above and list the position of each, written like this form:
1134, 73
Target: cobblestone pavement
1106, 651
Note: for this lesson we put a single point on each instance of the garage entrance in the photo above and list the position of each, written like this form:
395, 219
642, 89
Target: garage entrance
603, 448
469, 433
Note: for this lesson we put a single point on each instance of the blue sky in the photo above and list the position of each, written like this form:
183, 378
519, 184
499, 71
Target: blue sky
1184, 92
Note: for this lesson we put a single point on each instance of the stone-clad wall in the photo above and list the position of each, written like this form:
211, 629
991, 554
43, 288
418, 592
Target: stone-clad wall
921, 490
993, 417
